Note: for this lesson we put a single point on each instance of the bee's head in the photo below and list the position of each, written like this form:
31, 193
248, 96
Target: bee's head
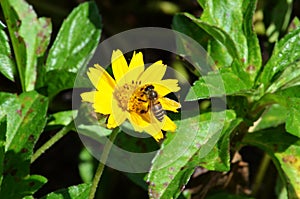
152, 94
149, 88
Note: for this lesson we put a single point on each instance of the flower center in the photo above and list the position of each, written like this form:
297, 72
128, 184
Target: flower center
123, 93
132, 97
139, 100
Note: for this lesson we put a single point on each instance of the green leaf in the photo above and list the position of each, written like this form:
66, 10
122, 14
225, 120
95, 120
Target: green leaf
254, 61
216, 50
74, 192
62, 118
284, 149
190, 46
219, 54
2, 144
182, 23
280, 189
73, 47
93, 131
294, 24
86, 166
217, 33
293, 117
88, 124
268, 99
286, 52
216, 85
289, 77
282, 104
195, 139
230, 22
26, 118
290, 92
59, 80
7, 66
218, 158
2, 25
44, 35
29, 38
272, 117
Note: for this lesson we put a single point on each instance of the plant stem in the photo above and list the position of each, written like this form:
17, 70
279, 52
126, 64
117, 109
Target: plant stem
261, 173
52, 141
102, 162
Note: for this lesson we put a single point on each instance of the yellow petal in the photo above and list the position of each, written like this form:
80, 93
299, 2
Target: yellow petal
136, 61
103, 102
169, 105
140, 124
119, 65
158, 136
137, 122
111, 123
115, 120
154, 73
100, 78
118, 113
88, 96
154, 132
166, 86
132, 75
169, 125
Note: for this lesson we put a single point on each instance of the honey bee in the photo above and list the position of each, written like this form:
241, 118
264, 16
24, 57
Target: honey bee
155, 105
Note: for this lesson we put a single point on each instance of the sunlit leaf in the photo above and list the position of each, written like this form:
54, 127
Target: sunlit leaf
230, 23
195, 139
29, 36
74, 192
294, 24
7, 66
285, 54
218, 158
293, 117
62, 118
289, 77
216, 85
272, 117
26, 118
73, 47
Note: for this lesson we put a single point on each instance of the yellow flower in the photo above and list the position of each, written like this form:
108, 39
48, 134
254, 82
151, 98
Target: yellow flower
128, 95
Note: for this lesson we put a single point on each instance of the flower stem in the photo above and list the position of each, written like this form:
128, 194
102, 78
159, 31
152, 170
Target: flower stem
102, 162
261, 173
52, 141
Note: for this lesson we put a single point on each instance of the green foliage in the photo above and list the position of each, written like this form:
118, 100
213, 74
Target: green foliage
167, 176
72, 48
23, 117
225, 30
7, 66
29, 36
74, 192
263, 101
284, 150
